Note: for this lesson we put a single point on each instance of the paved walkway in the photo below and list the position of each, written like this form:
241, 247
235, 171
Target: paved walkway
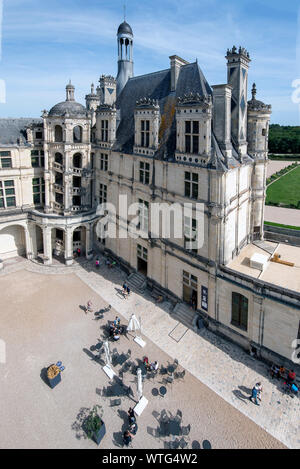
223, 367
284, 216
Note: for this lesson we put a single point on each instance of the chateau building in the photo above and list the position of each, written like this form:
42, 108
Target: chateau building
166, 137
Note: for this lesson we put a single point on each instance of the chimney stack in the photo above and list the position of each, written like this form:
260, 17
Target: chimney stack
175, 64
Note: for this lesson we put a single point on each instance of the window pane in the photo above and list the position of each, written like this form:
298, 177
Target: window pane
195, 191
9, 183
195, 144
1, 203
195, 127
188, 144
35, 162
10, 191
6, 163
187, 127
11, 201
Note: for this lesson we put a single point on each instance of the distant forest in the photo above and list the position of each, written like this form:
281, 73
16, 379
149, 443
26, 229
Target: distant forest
284, 139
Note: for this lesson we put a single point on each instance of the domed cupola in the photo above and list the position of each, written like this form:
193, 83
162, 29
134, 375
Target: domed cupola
70, 106
125, 28
125, 55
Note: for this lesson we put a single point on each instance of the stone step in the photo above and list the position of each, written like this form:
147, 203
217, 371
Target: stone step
137, 281
184, 314
265, 246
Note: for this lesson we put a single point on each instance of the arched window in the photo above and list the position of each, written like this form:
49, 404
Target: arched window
239, 311
77, 134
58, 158
77, 160
58, 133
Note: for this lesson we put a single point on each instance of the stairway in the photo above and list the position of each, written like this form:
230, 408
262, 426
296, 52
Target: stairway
184, 314
265, 246
137, 281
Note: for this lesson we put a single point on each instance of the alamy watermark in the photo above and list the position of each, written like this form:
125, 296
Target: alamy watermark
152, 220
296, 353
2, 351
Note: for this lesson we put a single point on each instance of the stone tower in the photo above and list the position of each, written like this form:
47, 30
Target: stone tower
107, 90
67, 149
92, 102
238, 66
258, 134
125, 55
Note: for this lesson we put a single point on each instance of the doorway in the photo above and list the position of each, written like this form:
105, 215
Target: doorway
190, 289
142, 260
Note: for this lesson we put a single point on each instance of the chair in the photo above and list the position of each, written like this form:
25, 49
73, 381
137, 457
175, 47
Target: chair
169, 379
163, 370
115, 402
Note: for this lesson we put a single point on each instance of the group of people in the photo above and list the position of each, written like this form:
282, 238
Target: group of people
132, 429
115, 329
150, 366
126, 290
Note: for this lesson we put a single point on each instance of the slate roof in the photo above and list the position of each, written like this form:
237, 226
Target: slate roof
156, 86
13, 131
71, 107
125, 28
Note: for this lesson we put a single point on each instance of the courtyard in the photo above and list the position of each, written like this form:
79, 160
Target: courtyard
43, 321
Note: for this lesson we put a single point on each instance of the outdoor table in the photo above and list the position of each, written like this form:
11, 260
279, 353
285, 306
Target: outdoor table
122, 359
171, 369
163, 390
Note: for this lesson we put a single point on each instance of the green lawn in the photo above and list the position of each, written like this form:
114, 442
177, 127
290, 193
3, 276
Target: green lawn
286, 190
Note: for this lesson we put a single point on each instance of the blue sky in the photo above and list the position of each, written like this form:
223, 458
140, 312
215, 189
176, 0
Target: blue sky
45, 43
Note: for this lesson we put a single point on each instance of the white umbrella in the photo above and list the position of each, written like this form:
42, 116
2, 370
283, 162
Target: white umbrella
133, 324
139, 383
107, 354
107, 368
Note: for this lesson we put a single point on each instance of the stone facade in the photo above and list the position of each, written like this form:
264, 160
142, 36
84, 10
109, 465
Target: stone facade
166, 138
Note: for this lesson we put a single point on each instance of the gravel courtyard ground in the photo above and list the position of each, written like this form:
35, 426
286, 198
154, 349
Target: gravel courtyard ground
274, 166
42, 321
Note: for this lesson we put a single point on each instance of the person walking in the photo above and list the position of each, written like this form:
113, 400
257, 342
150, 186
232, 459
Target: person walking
124, 289
254, 396
128, 291
89, 308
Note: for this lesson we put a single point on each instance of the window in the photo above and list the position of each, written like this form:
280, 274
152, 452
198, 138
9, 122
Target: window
144, 172
192, 137
103, 162
104, 131
142, 253
145, 133
103, 194
190, 280
5, 159
191, 185
37, 159
77, 160
239, 316
39, 135
77, 134
58, 158
7, 194
38, 189
143, 215
58, 137
190, 233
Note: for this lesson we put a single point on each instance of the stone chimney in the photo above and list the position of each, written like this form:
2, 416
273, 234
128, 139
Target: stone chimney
175, 64
222, 117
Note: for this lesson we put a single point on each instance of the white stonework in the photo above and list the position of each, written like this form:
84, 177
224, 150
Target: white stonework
199, 145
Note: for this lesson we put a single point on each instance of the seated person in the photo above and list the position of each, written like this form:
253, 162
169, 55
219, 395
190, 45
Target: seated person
291, 377
281, 372
116, 335
131, 416
154, 366
146, 363
133, 428
127, 437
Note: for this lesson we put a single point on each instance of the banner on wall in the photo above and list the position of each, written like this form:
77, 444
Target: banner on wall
204, 298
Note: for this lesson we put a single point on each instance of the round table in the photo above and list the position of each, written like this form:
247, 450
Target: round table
163, 390
171, 369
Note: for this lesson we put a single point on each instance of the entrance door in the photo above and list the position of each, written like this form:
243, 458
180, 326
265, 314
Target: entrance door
190, 289
142, 260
